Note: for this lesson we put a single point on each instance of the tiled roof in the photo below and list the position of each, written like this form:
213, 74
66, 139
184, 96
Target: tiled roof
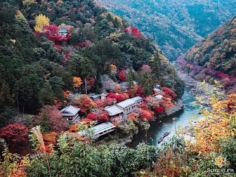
113, 110
126, 103
98, 128
70, 111
137, 99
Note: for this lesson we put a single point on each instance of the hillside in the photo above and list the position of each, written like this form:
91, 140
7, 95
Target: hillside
40, 65
175, 26
214, 57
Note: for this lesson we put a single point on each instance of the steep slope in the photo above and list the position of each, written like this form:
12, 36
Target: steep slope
214, 57
174, 25
46, 46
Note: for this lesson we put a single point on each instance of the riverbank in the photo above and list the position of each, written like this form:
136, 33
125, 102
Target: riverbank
203, 91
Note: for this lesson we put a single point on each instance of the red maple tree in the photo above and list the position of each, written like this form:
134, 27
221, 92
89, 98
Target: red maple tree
16, 137
122, 75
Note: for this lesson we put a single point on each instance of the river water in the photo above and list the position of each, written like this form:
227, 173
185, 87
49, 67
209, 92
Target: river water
170, 123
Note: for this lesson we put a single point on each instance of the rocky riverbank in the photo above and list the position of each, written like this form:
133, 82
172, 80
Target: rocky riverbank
203, 91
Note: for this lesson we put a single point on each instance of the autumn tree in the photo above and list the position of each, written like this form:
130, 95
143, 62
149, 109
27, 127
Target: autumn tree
77, 82
41, 21
113, 69
122, 75
56, 122
16, 137
85, 103
51, 120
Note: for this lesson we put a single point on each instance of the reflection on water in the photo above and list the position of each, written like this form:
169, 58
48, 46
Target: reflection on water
158, 128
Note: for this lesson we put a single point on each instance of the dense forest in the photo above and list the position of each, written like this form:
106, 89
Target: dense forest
57, 53
213, 58
175, 26
39, 65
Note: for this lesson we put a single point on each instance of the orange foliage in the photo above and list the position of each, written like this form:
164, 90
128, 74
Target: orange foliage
66, 93
74, 128
113, 69
50, 138
114, 123
77, 81
86, 121
166, 103
147, 114
133, 116
85, 103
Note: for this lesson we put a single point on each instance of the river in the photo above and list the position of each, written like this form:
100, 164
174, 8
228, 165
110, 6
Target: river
170, 123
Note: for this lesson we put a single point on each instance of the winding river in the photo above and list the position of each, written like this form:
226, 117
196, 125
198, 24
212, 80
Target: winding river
170, 124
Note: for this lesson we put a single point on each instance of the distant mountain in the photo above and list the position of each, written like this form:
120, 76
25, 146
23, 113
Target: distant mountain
214, 57
174, 25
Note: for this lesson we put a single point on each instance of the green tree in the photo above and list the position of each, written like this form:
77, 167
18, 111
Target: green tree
147, 81
130, 77
86, 70
156, 66
57, 87
46, 94
43, 122
6, 99
27, 89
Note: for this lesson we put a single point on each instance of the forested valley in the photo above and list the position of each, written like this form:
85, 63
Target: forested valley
78, 80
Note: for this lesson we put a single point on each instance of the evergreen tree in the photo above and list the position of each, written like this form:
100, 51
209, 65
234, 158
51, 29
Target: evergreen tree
86, 70
27, 92
6, 99
43, 122
46, 94
130, 77
57, 87
156, 66
147, 81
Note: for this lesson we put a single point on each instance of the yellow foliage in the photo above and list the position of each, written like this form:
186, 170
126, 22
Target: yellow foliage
77, 81
218, 124
41, 21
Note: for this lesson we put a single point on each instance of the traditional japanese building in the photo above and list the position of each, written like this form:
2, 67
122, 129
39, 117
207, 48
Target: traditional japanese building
115, 114
98, 130
127, 106
71, 113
